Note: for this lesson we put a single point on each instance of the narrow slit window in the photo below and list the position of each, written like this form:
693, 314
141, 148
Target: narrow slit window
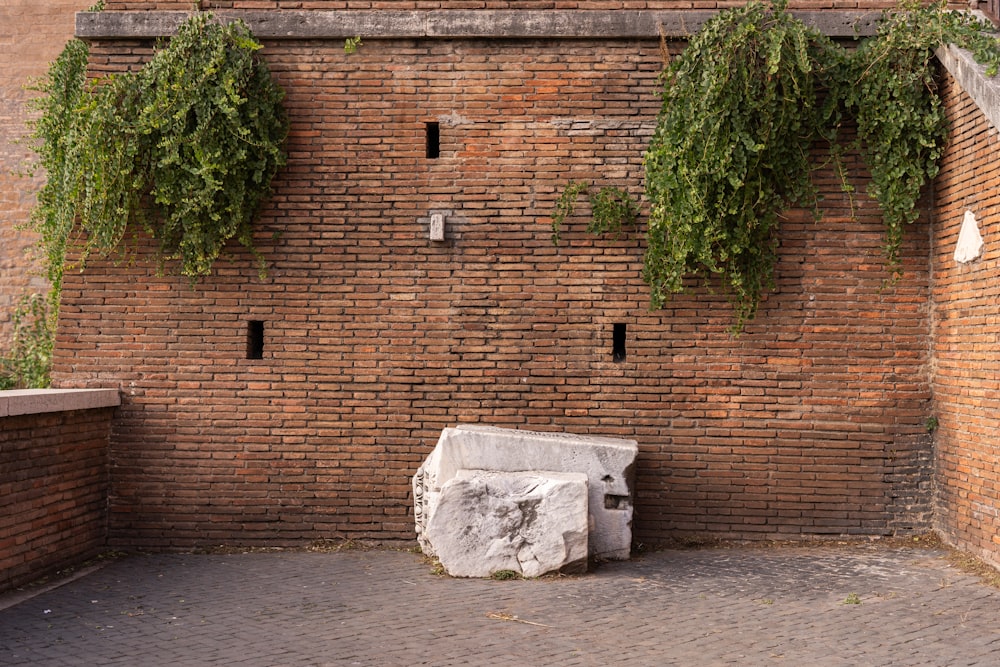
255, 339
433, 131
618, 342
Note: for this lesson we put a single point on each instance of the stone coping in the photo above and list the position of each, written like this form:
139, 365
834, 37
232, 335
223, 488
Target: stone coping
971, 76
36, 401
454, 23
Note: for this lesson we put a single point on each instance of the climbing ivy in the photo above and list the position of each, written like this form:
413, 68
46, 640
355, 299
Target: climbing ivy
610, 209
186, 148
743, 106
893, 97
741, 109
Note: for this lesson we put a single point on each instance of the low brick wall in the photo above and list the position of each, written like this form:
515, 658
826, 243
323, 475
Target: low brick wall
53, 479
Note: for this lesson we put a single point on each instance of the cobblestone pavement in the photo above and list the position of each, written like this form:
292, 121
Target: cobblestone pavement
738, 606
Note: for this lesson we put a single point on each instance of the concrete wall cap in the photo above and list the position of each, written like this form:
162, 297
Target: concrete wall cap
455, 23
971, 76
35, 401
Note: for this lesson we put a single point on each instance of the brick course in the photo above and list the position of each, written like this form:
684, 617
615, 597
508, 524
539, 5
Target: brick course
376, 338
54, 482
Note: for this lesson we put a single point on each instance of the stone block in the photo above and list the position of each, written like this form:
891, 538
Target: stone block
608, 464
529, 522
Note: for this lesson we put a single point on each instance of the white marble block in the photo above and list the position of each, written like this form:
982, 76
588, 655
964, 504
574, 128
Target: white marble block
608, 464
531, 523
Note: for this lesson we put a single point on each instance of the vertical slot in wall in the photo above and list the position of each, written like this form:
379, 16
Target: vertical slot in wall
618, 342
433, 140
255, 339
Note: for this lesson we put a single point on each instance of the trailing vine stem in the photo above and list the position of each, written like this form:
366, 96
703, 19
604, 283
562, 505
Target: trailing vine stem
185, 148
59, 136
213, 124
743, 105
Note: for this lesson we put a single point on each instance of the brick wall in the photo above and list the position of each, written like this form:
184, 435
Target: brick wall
54, 485
32, 34
376, 338
966, 325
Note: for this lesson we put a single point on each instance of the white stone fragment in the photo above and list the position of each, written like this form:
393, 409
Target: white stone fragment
527, 522
970, 241
608, 464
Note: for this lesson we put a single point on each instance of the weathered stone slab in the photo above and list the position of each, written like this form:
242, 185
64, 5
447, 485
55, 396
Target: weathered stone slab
16, 402
457, 23
607, 462
528, 522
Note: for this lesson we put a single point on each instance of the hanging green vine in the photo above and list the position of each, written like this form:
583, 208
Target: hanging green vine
212, 121
59, 137
731, 150
58, 141
892, 94
186, 148
744, 104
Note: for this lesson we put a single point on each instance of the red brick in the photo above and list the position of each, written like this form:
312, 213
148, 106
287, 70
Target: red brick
54, 482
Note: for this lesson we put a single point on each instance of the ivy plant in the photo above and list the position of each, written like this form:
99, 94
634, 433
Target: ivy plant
211, 120
744, 105
741, 108
185, 148
59, 138
611, 209
901, 120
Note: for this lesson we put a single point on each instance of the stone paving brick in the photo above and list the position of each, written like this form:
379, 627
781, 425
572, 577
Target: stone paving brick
691, 607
